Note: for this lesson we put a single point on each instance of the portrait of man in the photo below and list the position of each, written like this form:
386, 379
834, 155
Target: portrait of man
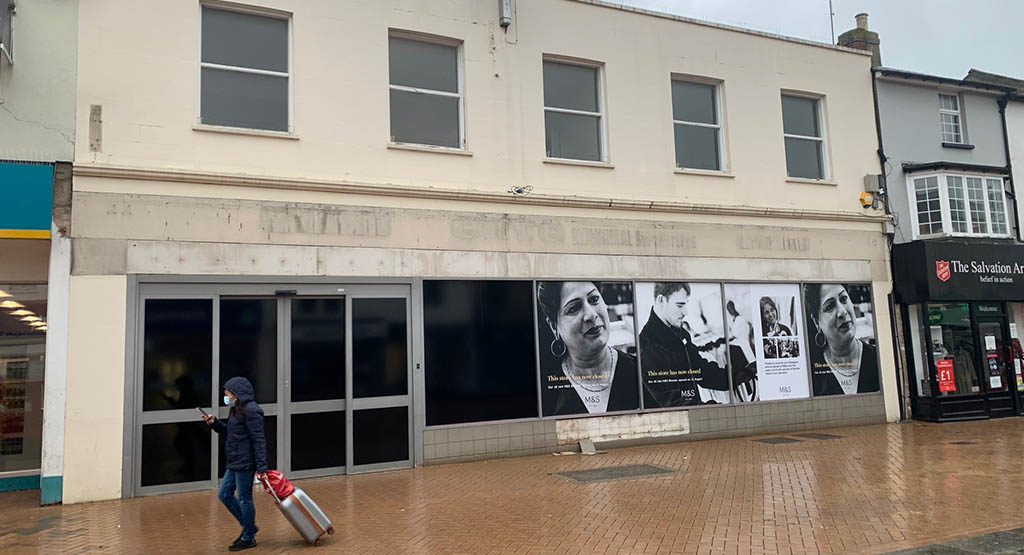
682, 346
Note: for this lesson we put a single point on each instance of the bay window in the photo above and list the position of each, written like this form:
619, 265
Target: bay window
958, 204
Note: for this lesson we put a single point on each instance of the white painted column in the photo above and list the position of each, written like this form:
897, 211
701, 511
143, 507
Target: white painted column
55, 379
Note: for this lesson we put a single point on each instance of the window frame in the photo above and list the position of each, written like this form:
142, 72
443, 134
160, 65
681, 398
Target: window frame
819, 104
959, 113
944, 204
460, 81
601, 114
719, 97
289, 75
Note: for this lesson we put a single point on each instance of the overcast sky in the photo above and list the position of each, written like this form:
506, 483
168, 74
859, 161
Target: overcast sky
938, 37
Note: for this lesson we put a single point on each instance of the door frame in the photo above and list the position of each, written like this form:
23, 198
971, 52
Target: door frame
141, 287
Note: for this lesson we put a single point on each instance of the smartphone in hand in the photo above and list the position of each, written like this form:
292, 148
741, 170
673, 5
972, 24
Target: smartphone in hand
206, 416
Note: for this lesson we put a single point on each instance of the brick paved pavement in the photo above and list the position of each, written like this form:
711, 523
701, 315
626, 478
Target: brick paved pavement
875, 489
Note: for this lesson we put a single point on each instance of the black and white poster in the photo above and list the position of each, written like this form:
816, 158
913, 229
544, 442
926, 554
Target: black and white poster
683, 355
764, 327
841, 332
587, 344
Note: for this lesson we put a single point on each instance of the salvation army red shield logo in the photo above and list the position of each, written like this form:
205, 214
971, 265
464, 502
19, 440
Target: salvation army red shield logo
942, 270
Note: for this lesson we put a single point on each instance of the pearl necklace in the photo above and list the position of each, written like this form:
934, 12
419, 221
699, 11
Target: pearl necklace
612, 357
846, 370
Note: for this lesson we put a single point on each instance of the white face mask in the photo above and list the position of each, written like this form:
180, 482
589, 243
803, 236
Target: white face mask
228, 401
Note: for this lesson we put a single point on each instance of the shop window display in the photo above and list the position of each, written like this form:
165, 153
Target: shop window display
22, 360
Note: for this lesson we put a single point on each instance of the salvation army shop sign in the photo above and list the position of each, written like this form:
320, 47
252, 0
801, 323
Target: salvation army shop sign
939, 270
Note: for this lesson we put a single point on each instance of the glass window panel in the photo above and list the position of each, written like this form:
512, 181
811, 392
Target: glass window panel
425, 119
929, 213
318, 349
245, 40
177, 354
693, 102
800, 116
952, 340
424, 65
470, 383
573, 136
995, 359
380, 357
697, 147
175, 453
996, 205
951, 128
269, 430
803, 158
570, 86
22, 369
976, 201
318, 440
244, 100
949, 102
957, 204
248, 344
380, 435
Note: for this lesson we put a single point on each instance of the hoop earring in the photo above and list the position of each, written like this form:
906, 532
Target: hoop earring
819, 340
552, 347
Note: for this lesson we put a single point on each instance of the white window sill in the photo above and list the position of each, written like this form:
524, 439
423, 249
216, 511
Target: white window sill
586, 163
710, 173
965, 235
244, 131
428, 148
811, 181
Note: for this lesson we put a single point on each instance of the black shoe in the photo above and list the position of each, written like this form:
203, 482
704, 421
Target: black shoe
239, 538
242, 544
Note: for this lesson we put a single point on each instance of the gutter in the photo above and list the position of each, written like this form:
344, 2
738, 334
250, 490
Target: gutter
894, 323
1012, 193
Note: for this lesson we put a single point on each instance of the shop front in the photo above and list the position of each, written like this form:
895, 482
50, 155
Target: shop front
25, 208
962, 311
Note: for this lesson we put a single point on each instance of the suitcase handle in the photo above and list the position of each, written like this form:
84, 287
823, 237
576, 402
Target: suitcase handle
268, 489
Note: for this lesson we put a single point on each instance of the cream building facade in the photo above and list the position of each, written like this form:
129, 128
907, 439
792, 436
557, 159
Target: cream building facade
179, 222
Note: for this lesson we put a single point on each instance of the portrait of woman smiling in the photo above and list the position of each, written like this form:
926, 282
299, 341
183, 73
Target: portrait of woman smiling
581, 370
843, 360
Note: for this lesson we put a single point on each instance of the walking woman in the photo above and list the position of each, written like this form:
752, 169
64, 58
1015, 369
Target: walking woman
246, 453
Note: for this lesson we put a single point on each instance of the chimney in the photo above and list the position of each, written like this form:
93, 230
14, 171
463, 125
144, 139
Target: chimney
863, 39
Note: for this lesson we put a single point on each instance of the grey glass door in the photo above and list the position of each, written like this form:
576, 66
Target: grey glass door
316, 339
379, 419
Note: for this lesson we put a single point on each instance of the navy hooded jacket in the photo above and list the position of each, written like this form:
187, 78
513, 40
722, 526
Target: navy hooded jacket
246, 447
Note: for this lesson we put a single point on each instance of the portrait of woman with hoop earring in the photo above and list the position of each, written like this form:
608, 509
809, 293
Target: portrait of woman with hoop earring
581, 371
841, 363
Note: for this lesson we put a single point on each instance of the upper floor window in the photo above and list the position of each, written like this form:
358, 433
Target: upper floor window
573, 118
949, 117
959, 204
804, 136
426, 92
696, 122
245, 79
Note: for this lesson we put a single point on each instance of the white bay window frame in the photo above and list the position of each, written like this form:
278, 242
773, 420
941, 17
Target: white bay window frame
988, 186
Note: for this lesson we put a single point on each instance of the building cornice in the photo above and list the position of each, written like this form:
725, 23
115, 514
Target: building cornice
723, 26
434, 193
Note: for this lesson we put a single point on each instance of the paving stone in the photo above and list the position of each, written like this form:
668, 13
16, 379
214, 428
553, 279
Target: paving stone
875, 489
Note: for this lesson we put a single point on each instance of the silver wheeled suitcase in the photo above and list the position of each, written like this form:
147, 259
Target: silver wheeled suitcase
304, 514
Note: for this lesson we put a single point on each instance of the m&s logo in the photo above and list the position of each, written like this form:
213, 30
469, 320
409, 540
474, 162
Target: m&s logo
942, 270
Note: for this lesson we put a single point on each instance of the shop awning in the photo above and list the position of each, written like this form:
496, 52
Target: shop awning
958, 270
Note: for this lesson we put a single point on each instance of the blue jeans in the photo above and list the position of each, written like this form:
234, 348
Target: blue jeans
241, 507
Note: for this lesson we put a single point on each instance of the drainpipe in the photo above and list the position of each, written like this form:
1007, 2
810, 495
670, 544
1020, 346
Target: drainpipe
1009, 164
894, 323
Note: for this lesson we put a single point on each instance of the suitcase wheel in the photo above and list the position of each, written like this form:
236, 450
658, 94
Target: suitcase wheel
330, 530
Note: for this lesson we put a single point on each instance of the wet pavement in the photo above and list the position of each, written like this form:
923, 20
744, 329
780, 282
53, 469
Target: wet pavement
873, 489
